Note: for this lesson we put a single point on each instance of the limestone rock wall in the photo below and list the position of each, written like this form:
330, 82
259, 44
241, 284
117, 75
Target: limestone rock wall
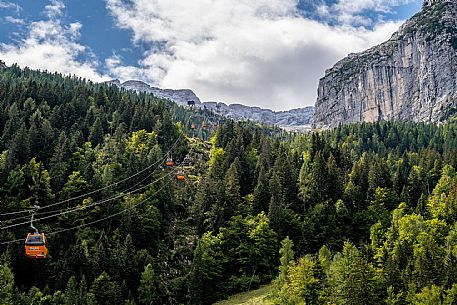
413, 76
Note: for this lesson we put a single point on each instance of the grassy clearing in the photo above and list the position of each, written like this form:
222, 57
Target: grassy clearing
255, 297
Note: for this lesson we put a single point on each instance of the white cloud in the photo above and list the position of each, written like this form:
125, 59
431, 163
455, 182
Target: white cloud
262, 52
51, 45
357, 6
351, 11
11, 19
10, 5
255, 52
54, 9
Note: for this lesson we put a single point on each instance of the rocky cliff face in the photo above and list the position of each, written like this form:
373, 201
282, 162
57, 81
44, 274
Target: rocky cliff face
180, 96
413, 76
294, 120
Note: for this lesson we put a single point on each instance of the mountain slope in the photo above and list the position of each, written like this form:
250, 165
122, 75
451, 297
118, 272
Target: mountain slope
413, 76
122, 229
295, 119
179, 96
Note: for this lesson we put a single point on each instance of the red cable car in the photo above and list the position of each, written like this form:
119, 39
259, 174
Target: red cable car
169, 161
35, 246
180, 176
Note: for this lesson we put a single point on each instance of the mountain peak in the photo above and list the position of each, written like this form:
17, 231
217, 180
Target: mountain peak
409, 77
432, 2
294, 120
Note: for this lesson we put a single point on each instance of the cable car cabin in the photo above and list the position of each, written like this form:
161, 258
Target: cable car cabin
180, 176
192, 126
169, 162
187, 161
204, 125
35, 245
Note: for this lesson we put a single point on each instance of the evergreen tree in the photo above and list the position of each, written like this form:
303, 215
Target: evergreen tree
72, 296
19, 151
232, 190
287, 257
276, 206
148, 286
261, 192
6, 285
96, 132
105, 291
59, 165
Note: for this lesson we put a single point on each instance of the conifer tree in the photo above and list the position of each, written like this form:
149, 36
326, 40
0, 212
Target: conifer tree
148, 286
6, 285
96, 132
232, 190
261, 192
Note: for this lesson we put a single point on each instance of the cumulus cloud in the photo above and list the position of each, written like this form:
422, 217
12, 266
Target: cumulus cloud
357, 6
260, 52
351, 11
10, 5
54, 9
11, 19
51, 45
263, 52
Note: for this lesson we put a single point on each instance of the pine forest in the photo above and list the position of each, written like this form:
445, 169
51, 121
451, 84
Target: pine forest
142, 201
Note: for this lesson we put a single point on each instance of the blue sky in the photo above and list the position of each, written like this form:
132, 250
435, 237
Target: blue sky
268, 53
98, 32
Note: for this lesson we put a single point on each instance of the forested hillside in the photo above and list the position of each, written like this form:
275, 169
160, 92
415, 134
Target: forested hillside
368, 211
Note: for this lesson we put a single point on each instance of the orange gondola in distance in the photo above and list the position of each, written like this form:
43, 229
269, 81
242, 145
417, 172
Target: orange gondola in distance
204, 125
169, 161
192, 126
180, 176
35, 245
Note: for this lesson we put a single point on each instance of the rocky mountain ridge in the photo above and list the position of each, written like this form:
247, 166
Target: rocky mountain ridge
294, 120
412, 76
